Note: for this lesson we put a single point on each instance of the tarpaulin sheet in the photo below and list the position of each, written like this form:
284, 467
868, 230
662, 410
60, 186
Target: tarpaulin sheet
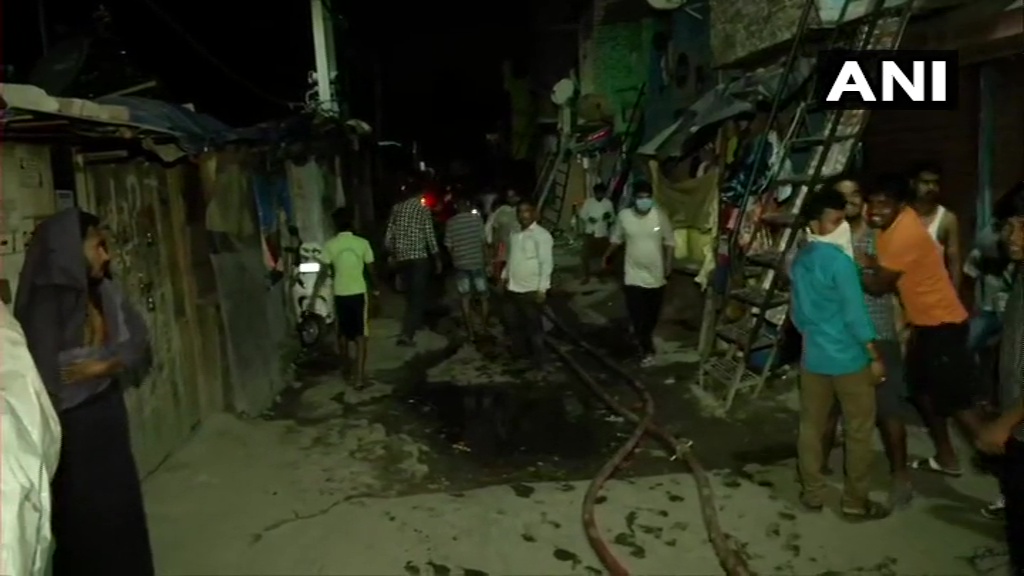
692, 207
688, 202
28, 457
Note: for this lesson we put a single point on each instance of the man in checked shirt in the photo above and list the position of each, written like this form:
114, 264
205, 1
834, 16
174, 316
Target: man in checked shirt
1005, 435
891, 396
412, 244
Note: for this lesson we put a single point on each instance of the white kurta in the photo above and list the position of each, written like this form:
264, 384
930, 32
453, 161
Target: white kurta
28, 456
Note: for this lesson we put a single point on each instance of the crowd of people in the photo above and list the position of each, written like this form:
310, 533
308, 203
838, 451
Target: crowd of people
505, 252
876, 301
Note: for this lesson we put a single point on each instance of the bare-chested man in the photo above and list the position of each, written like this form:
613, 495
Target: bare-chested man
941, 222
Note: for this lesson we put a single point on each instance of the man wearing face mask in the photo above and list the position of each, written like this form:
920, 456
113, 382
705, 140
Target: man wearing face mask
650, 250
891, 394
840, 359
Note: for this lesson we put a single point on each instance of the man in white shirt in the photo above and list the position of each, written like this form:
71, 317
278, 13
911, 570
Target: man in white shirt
650, 247
525, 280
596, 216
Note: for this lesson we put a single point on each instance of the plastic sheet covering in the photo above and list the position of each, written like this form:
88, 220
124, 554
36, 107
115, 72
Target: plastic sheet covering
28, 457
692, 206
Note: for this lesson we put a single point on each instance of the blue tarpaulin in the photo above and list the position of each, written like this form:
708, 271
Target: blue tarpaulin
195, 131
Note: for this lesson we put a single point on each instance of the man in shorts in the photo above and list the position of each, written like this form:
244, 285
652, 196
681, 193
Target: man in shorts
938, 364
351, 259
891, 401
467, 243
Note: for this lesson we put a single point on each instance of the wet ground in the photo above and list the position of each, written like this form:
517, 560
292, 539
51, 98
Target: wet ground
512, 426
455, 462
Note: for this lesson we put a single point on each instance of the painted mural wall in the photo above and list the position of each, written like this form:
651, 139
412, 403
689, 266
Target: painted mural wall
679, 67
621, 54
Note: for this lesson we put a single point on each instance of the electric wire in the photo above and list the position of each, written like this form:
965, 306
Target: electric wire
731, 562
217, 63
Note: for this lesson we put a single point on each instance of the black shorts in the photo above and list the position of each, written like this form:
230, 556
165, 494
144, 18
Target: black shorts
351, 312
939, 366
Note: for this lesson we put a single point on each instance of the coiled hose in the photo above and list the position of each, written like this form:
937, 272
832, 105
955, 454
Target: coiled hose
732, 563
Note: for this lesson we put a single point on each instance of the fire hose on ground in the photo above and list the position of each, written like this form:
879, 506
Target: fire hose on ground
732, 563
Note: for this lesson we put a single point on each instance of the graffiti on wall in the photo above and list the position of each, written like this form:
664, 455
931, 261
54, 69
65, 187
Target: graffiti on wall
132, 200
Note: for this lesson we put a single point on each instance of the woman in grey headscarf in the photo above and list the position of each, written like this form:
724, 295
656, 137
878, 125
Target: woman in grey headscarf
84, 336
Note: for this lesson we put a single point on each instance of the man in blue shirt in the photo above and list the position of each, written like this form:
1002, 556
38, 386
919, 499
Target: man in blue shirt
839, 357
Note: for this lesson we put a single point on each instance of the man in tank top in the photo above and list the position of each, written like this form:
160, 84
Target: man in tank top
941, 223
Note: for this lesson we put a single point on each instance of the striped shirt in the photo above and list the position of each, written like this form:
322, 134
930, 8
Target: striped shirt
880, 308
410, 232
464, 237
1011, 352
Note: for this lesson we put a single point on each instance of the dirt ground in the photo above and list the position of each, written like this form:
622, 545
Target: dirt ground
453, 463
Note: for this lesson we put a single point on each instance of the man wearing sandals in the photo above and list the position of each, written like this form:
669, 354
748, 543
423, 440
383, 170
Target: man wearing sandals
1005, 436
839, 356
939, 366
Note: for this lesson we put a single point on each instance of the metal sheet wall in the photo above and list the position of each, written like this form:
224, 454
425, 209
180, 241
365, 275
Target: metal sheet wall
142, 205
253, 317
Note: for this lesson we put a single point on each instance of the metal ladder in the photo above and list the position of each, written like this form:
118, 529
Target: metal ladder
555, 176
829, 140
551, 200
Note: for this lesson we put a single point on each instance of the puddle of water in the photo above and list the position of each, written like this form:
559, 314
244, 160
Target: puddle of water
523, 419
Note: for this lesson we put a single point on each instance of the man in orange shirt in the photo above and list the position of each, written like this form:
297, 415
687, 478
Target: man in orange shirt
938, 364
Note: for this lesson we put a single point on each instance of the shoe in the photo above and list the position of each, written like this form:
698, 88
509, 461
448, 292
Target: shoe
996, 510
869, 512
647, 361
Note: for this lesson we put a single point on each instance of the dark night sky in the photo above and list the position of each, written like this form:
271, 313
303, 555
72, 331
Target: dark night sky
441, 65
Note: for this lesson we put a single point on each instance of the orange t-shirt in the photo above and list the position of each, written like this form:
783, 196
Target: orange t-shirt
924, 286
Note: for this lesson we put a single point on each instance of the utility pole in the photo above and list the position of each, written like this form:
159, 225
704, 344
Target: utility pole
324, 52
43, 28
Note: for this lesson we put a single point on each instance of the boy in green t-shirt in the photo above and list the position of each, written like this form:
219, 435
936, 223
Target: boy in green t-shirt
351, 258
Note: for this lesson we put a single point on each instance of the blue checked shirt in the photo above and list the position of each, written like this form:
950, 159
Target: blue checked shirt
880, 308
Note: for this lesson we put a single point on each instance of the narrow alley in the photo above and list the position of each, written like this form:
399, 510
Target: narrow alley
414, 476
513, 289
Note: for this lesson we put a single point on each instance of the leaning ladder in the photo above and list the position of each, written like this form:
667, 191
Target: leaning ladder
830, 148
551, 196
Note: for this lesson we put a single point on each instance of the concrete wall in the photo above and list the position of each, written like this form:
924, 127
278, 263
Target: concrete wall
314, 197
741, 29
27, 197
